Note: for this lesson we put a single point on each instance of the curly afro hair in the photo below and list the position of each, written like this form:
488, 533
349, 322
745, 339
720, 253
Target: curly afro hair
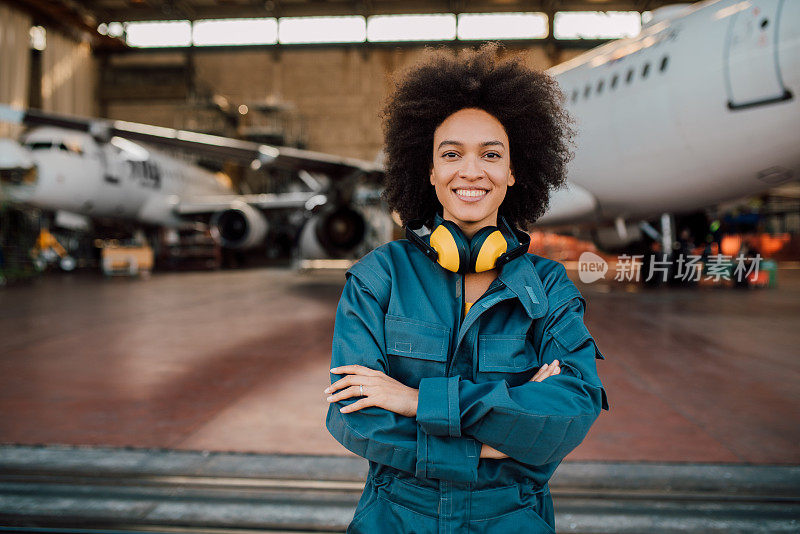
528, 103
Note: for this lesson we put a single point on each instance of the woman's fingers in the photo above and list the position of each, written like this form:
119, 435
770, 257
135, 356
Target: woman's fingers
355, 369
542, 370
365, 376
552, 369
352, 391
357, 405
350, 380
339, 384
546, 370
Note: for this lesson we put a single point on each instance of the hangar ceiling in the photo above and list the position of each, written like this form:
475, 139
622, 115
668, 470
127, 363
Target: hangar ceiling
93, 12
80, 18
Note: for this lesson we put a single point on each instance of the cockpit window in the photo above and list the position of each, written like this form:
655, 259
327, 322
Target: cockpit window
39, 145
71, 146
66, 146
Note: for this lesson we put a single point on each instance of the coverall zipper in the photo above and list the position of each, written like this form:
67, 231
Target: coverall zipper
462, 299
461, 315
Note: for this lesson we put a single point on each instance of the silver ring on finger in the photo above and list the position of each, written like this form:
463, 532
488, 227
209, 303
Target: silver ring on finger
361, 387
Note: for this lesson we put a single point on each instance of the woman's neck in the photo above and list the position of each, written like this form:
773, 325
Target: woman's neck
469, 229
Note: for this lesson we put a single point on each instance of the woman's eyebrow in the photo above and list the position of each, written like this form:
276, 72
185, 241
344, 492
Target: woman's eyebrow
459, 143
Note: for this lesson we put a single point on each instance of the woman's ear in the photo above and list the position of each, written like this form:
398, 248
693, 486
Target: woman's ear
511, 178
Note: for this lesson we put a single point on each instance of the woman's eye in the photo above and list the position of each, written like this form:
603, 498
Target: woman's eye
494, 154
448, 154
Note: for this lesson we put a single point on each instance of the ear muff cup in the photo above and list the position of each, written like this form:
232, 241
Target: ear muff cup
486, 246
452, 245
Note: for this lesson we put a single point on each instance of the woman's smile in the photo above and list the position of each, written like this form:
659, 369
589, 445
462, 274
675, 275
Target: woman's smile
471, 194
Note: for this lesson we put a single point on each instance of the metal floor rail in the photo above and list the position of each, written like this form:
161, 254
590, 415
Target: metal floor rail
88, 490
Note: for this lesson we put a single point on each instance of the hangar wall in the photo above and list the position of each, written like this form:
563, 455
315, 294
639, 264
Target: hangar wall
68, 76
14, 61
338, 90
68, 69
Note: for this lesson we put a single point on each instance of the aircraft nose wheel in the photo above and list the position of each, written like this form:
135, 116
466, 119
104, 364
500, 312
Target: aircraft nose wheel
67, 263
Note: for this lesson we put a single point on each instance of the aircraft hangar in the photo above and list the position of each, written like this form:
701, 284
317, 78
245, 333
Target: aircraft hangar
184, 185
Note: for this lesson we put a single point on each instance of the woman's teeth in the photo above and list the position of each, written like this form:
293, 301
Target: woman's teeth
470, 195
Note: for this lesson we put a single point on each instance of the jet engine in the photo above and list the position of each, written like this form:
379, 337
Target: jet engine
615, 238
240, 226
333, 232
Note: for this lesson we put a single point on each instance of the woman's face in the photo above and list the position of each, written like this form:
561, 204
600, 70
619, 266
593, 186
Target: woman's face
471, 168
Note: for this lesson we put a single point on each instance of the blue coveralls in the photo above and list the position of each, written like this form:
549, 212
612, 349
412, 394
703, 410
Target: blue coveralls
401, 313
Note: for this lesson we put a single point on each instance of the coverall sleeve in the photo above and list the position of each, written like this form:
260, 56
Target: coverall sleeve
536, 422
373, 432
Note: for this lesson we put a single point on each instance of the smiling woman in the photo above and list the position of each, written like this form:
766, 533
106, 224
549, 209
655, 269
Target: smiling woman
461, 367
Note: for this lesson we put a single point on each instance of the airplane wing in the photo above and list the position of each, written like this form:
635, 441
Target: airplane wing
244, 152
263, 201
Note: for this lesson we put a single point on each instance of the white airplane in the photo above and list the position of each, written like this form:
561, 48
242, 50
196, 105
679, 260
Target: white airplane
97, 169
700, 108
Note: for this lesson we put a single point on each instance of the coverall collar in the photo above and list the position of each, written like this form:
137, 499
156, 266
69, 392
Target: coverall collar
520, 276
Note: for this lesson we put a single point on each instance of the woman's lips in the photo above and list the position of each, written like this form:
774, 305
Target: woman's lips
471, 195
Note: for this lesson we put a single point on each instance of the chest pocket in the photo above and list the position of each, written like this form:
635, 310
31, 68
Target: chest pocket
415, 349
506, 356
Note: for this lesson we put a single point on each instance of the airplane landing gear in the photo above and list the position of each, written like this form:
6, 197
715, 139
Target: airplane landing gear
48, 250
67, 263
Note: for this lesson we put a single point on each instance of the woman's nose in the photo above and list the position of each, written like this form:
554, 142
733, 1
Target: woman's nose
470, 169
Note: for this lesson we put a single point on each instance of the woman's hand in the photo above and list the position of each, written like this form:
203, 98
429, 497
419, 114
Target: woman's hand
379, 389
543, 372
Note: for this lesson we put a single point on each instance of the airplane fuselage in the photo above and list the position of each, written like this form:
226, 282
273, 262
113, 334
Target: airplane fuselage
692, 112
119, 179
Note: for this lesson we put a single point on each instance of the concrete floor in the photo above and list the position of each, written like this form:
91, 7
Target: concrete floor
237, 361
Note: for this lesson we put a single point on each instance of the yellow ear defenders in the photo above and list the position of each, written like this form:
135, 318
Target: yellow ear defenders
451, 249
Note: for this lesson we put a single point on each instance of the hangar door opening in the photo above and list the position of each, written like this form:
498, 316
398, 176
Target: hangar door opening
752, 71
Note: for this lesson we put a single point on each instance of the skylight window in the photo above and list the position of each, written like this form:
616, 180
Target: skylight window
298, 30
438, 27
158, 34
596, 24
502, 26
235, 32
